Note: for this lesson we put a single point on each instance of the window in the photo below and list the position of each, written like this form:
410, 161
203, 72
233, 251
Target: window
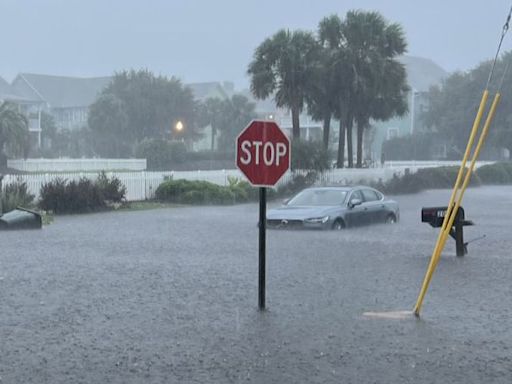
356, 195
370, 195
392, 133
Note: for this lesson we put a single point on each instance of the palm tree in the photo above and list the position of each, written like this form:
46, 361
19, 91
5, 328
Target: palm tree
322, 96
338, 81
378, 80
14, 134
210, 113
283, 65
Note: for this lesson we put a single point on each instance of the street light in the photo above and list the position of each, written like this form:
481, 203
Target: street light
179, 126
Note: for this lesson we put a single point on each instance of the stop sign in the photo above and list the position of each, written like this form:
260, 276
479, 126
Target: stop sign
263, 153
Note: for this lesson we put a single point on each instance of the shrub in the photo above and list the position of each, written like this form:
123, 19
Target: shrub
161, 154
425, 178
310, 155
53, 196
497, 173
202, 192
111, 189
80, 196
15, 195
298, 182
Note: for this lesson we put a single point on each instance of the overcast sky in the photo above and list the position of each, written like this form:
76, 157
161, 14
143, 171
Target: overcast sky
213, 40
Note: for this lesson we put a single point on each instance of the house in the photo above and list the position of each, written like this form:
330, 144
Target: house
67, 99
422, 73
31, 107
212, 89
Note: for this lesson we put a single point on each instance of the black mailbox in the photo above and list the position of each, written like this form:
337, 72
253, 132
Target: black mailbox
435, 217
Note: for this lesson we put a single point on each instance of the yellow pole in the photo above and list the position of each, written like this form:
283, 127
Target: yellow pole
450, 213
467, 178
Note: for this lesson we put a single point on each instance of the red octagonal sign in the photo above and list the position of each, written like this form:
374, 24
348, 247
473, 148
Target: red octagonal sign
263, 153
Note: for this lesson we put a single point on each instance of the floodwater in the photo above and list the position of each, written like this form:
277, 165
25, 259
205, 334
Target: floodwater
170, 296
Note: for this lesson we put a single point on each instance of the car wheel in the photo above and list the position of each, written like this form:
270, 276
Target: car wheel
391, 219
338, 225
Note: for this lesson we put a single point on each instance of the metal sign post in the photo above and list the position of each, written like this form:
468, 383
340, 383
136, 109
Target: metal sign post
262, 248
263, 156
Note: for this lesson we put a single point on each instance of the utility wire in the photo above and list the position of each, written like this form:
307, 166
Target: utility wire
503, 33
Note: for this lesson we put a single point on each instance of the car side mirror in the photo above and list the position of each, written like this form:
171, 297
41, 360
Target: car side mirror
352, 203
286, 201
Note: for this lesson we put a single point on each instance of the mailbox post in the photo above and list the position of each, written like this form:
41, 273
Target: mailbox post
435, 216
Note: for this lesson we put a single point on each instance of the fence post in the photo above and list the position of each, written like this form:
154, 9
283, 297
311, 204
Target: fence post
1, 194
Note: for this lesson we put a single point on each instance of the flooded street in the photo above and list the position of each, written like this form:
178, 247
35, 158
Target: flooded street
170, 296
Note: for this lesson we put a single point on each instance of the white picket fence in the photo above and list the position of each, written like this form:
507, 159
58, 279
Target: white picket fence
77, 165
142, 185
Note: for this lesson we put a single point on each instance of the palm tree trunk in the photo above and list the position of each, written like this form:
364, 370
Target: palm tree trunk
327, 128
350, 152
360, 131
341, 146
295, 123
212, 144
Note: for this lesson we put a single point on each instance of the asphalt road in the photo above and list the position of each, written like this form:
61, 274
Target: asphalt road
170, 296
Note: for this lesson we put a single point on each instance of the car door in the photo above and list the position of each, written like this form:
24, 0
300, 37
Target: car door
373, 204
357, 214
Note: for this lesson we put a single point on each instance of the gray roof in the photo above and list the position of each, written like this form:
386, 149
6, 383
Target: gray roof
4, 87
60, 91
202, 91
8, 93
422, 73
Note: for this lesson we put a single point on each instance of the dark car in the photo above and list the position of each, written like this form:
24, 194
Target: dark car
334, 208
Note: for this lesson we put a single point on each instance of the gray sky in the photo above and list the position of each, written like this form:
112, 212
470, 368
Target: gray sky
207, 40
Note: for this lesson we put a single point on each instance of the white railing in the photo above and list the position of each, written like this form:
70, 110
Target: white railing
142, 185
77, 165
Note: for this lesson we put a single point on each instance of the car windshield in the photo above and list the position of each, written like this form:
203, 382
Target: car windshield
318, 197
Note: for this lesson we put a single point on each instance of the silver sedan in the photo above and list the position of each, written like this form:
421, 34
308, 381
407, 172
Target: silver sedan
334, 208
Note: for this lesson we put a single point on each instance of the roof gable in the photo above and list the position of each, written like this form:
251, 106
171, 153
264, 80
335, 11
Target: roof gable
60, 91
422, 73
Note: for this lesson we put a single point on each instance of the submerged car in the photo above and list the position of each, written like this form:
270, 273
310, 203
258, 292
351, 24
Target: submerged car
334, 208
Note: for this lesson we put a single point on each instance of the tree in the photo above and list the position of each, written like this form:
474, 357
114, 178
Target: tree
109, 123
238, 113
283, 66
14, 134
138, 105
336, 82
211, 112
226, 117
322, 95
378, 81
454, 104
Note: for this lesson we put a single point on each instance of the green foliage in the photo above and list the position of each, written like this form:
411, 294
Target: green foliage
15, 195
84, 195
138, 105
454, 104
425, 178
444, 177
310, 155
112, 189
227, 117
202, 192
14, 134
283, 66
359, 77
298, 182
161, 154
497, 173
